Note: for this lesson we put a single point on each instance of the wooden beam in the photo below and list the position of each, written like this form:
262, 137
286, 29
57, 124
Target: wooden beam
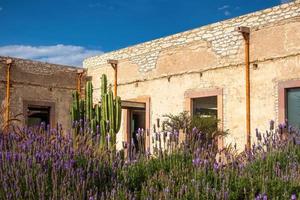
114, 65
112, 62
133, 104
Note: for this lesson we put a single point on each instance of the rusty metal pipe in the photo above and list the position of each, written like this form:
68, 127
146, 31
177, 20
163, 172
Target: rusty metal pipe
8, 64
246, 35
116, 80
247, 74
79, 80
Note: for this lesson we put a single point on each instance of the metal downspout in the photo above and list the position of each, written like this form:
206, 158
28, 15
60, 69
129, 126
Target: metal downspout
246, 35
79, 80
7, 106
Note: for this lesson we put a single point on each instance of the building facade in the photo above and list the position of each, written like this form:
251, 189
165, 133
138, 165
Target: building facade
38, 91
203, 70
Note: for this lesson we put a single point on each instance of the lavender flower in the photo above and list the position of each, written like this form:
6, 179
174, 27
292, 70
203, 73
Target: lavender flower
293, 197
196, 162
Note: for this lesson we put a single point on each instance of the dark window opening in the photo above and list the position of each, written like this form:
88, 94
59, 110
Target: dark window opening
293, 107
205, 106
137, 120
36, 115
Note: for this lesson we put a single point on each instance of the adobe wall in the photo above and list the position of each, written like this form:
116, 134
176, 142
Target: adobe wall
39, 82
212, 57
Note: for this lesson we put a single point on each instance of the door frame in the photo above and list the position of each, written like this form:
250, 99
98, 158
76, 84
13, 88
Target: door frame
126, 118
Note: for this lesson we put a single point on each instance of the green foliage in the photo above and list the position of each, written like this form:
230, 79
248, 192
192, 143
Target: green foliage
208, 126
258, 177
135, 176
178, 122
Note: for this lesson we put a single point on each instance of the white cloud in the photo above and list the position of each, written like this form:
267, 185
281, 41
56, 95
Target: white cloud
58, 54
224, 7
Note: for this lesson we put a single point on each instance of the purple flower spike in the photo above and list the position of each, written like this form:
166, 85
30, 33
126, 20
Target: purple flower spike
258, 197
293, 197
196, 162
216, 166
195, 130
166, 190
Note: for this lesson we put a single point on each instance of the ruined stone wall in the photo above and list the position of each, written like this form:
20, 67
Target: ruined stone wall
39, 82
213, 57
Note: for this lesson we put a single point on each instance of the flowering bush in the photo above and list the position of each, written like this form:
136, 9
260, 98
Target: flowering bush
41, 163
207, 128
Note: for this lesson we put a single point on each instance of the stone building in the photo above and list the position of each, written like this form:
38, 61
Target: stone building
203, 70
38, 91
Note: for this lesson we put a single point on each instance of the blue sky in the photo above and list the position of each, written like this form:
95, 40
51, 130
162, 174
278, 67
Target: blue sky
67, 31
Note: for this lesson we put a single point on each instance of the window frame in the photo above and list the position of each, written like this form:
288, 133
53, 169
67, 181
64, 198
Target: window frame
41, 104
199, 93
283, 87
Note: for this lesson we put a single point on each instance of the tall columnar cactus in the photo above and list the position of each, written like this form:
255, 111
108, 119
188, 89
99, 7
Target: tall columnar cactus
118, 113
75, 106
106, 115
89, 101
110, 111
103, 84
81, 109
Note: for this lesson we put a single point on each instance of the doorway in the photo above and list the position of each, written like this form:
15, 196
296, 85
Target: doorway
136, 136
136, 118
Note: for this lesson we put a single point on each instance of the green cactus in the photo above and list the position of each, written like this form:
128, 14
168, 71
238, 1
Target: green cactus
81, 109
75, 106
103, 84
93, 125
89, 100
118, 110
97, 109
109, 110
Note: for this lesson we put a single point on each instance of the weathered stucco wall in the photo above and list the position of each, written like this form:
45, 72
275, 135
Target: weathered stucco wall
39, 82
212, 57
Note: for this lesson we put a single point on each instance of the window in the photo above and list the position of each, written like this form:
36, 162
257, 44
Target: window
293, 107
206, 103
36, 112
289, 103
205, 106
37, 115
